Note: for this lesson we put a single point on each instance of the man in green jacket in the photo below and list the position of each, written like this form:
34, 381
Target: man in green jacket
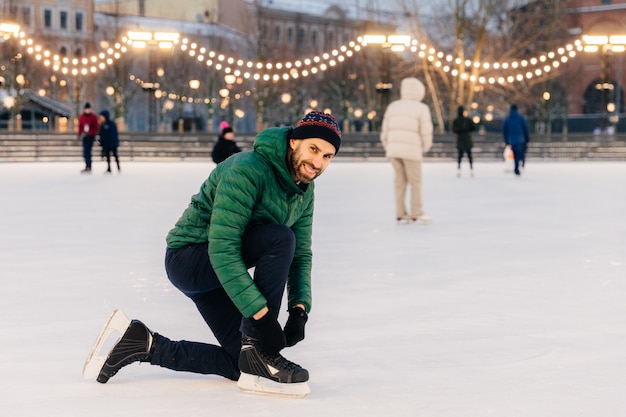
254, 210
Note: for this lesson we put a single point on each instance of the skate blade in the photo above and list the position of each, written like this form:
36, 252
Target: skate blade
258, 385
111, 333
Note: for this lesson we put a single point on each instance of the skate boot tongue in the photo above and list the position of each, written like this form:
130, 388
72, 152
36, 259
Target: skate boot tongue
295, 373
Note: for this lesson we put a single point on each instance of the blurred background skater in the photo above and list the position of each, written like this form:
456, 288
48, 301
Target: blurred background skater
109, 140
87, 130
516, 134
406, 134
463, 126
225, 145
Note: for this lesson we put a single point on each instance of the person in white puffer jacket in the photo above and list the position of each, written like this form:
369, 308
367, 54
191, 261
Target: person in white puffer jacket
406, 134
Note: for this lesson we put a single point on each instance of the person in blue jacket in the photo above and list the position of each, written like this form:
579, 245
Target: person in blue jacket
516, 134
109, 139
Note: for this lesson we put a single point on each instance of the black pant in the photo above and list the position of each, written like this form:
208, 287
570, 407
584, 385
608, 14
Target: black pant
460, 156
107, 153
519, 155
87, 145
269, 249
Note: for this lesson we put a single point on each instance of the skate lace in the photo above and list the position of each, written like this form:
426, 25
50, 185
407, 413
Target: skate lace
281, 362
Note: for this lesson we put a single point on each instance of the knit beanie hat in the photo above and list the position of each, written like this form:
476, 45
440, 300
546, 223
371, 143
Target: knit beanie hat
318, 125
225, 127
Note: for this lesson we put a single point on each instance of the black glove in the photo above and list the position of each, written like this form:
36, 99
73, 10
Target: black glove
270, 335
294, 329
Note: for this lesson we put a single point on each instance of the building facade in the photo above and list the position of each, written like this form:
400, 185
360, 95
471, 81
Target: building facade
75, 29
598, 75
63, 28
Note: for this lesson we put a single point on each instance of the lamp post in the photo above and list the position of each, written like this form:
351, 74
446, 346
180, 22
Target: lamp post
194, 85
230, 80
20, 80
9, 103
224, 93
154, 41
388, 43
285, 98
609, 91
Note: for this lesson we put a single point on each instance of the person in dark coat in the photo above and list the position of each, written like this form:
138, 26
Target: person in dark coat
109, 139
225, 145
515, 132
463, 126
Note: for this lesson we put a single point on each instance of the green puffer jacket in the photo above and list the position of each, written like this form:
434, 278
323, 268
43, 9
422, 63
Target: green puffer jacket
248, 189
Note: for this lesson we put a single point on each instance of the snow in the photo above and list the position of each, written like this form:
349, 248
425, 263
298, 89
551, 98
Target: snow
511, 303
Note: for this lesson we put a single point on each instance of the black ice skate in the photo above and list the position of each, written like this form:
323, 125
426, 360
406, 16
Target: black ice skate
266, 374
134, 345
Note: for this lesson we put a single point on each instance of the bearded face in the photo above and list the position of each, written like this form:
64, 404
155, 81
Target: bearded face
308, 158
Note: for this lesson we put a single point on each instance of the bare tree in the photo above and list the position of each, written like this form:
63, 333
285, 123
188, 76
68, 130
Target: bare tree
485, 31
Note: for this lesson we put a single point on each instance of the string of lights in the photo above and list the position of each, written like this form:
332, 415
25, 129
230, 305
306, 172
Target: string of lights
75, 66
506, 72
524, 69
184, 98
260, 71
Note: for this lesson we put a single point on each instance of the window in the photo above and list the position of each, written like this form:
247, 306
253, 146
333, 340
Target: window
63, 20
277, 33
63, 51
79, 22
78, 53
314, 38
47, 19
290, 36
301, 35
26, 20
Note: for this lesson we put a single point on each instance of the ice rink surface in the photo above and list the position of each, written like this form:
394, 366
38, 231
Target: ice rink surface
512, 303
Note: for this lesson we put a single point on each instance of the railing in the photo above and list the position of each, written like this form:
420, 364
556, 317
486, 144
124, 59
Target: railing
20, 146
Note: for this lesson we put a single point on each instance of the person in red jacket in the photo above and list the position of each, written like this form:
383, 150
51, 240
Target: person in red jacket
87, 130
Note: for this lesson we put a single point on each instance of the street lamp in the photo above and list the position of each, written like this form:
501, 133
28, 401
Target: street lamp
9, 102
229, 79
8, 29
607, 45
224, 93
153, 41
388, 43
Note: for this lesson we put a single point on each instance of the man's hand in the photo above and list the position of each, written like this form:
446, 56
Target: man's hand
294, 329
270, 335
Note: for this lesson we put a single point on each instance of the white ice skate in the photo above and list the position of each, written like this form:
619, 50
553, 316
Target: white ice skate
112, 331
255, 384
